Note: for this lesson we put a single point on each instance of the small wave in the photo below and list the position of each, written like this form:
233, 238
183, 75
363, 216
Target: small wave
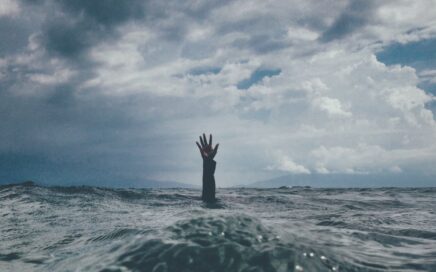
66, 240
226, 243
10, 256
338, 224
384, 239
415, 233
240, 229
117, 234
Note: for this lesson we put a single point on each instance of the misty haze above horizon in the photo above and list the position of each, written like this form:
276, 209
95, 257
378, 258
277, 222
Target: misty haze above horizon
101, 92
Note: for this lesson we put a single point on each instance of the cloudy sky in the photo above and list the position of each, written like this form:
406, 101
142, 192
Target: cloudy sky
103, 91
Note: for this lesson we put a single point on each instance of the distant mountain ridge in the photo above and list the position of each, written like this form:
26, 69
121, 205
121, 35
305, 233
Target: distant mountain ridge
349, 180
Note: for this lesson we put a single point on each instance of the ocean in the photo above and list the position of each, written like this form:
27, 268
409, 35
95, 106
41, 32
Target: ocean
286, 229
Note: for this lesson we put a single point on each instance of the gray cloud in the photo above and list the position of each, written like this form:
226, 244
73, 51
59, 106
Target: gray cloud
262, 44
13, 35
355, 16
105, 13
72, 27
60, 135
257, 76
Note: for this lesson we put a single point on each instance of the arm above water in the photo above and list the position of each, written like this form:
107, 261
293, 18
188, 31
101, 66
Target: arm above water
209, 188
207, 154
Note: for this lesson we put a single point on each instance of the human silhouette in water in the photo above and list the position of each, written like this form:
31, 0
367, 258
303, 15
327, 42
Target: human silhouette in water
208, 153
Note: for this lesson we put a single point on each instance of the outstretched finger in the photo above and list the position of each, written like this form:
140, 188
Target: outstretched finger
199, 147
204, 139
215, 150
202, 143
210, 140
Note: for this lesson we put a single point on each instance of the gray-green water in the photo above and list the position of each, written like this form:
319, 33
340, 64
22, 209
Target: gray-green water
96, 229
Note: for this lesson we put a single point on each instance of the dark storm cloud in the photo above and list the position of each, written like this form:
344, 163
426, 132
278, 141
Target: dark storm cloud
105, 12
13, 35
72, 27
62, 137
68, 39
262, 44
82, 24
355, 16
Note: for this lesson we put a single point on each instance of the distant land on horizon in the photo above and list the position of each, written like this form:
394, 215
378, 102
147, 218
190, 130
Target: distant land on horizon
334, 180
110, 184
349, 180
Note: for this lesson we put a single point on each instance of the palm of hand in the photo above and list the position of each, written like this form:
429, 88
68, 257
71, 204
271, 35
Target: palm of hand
206, 150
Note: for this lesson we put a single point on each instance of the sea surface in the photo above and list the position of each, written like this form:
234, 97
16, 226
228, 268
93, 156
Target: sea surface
288, 229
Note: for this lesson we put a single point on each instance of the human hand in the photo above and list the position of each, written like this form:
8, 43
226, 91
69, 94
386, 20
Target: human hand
206, 150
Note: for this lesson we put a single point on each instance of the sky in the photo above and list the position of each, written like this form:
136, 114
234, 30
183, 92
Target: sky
98, 92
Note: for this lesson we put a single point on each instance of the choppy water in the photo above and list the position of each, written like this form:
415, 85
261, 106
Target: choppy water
96, 229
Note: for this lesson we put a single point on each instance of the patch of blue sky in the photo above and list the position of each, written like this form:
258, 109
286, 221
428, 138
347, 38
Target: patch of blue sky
204, 71
420, 55
256, 77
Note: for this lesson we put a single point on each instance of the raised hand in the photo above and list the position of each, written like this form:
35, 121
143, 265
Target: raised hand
206, 150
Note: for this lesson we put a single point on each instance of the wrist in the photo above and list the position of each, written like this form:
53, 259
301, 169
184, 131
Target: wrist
209, 166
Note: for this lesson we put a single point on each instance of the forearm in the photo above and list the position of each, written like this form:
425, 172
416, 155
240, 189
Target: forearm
208, 180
